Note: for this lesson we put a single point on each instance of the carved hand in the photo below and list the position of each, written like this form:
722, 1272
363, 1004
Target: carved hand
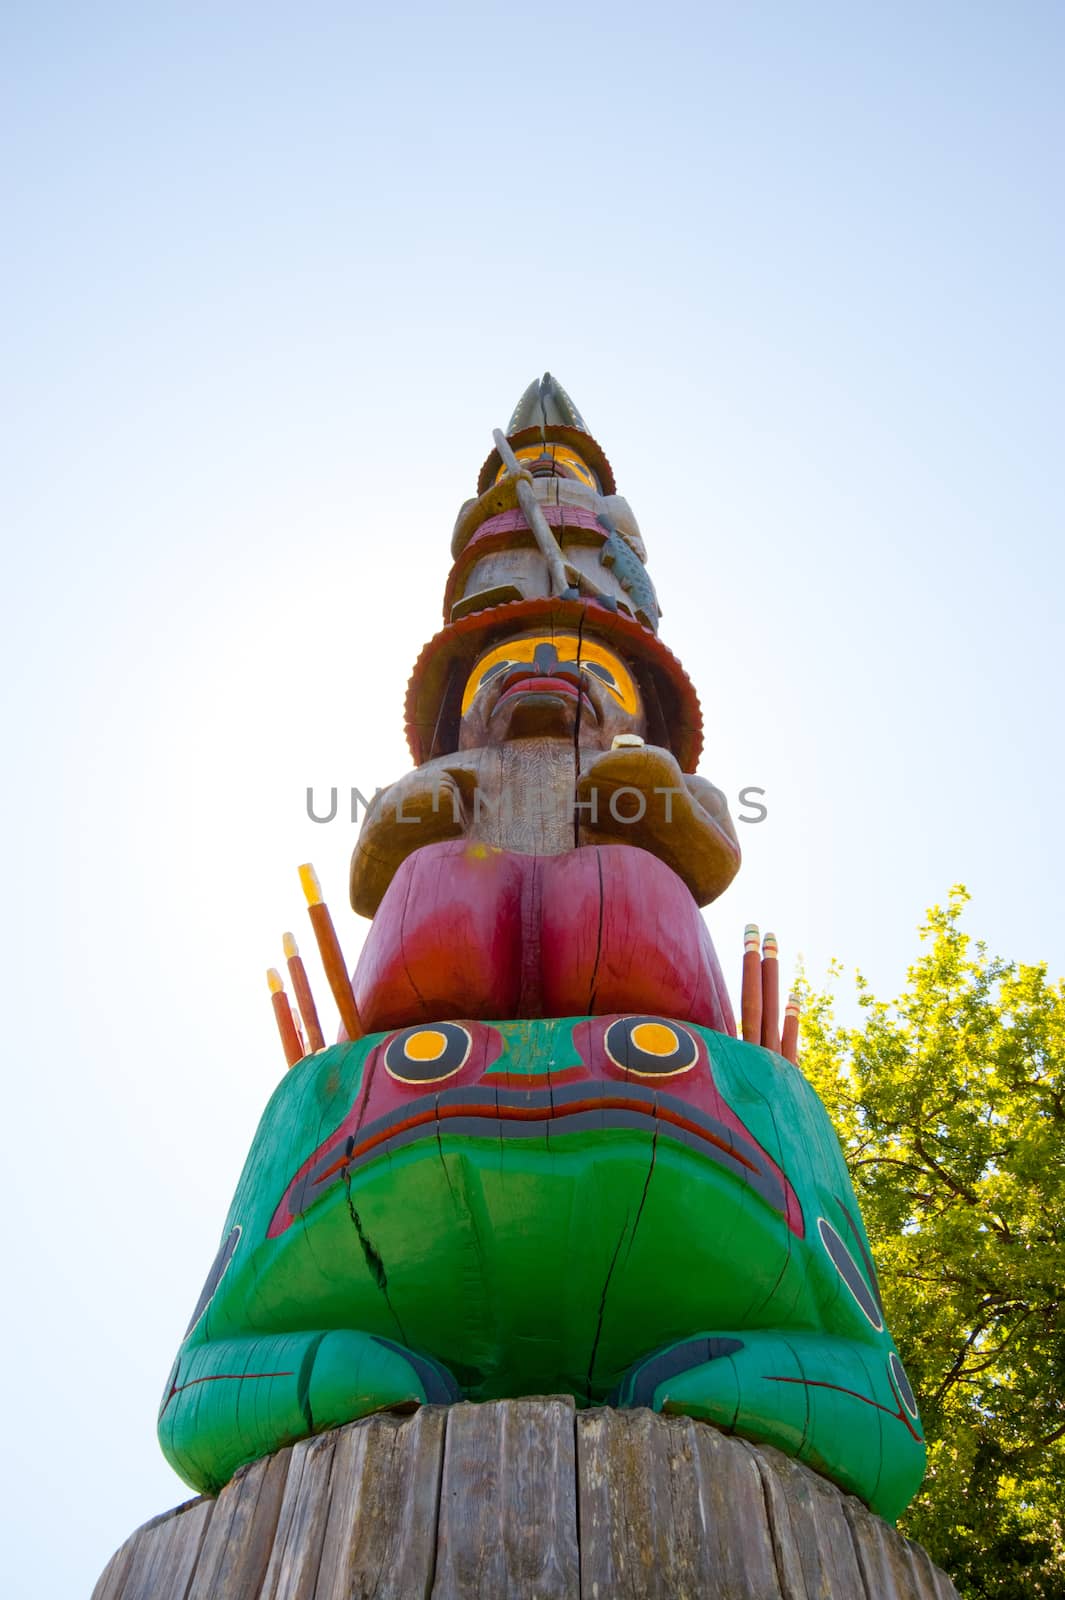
421, 808
639, 795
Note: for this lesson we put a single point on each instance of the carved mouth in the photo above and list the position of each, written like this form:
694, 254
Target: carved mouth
537, 1115
527, 683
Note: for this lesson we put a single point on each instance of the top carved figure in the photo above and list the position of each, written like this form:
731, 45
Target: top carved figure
549, 854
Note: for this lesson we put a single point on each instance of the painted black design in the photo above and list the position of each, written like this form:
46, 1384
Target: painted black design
474, 1112
215, 1276
493, 672
171, 1386
670, 1363
902, 1384
847, 1268
440, 1387
426, 1055
867, 1260
650, 1046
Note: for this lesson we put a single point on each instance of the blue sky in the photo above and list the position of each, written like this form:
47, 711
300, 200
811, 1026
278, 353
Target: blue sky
271, 276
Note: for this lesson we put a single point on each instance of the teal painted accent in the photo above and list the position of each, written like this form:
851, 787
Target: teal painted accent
577, 1253
630, 572
535, 1048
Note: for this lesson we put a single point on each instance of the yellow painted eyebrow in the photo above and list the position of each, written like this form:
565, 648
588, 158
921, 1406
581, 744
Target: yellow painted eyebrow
571, 648
558, 453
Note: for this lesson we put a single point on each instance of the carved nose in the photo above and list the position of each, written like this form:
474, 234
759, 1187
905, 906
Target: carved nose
545, 659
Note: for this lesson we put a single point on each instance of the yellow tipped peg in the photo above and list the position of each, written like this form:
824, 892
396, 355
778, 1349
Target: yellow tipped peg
310, 885
273, 978
288, 944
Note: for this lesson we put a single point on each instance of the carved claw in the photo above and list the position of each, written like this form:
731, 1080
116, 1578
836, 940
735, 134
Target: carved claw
230, 1401
833, 1403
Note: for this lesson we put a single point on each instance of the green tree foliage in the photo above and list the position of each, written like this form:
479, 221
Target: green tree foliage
950, 1104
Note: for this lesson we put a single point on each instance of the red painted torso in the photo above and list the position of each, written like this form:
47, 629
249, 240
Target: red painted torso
465, 930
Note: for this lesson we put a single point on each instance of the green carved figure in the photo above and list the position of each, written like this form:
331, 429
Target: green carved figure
629, 1209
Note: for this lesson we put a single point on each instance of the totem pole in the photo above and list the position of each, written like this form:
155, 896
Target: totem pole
540, 1161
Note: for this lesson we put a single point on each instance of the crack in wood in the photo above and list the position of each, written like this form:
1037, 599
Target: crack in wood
646, 1186
602, 1308
371, 1255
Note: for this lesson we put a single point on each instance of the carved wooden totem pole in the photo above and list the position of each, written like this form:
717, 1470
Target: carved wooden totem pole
541, 1161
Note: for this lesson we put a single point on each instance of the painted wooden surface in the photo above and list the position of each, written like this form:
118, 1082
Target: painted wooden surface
466, 930
528, 1499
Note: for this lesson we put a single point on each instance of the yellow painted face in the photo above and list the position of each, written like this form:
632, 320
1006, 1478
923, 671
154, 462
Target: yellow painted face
561, 455
563, 651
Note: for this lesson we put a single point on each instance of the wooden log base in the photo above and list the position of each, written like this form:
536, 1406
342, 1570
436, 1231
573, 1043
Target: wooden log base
519, 1499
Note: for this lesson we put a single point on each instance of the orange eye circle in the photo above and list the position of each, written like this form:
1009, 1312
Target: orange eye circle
650, 1047
428, 1055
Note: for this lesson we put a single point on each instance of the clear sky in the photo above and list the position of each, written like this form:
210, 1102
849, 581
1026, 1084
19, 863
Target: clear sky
271, 276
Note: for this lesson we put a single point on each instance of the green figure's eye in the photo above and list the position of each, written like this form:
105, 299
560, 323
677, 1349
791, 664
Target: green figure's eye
650, 1047
426, 1055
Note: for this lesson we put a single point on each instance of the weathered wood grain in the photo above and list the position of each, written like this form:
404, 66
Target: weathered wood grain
527, 1500
385, 1492
736, 1544
112, 1580
508, 1502
884, 1556
240, 1537
811, 1535
165, 1554
935, 1585
292, 1573
669, 1508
